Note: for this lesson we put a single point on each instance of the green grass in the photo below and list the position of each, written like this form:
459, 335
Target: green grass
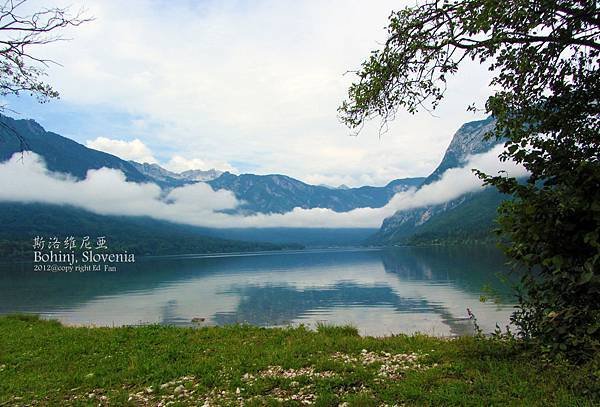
45, 363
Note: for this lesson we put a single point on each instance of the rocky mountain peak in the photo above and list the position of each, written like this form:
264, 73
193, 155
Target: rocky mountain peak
469, 139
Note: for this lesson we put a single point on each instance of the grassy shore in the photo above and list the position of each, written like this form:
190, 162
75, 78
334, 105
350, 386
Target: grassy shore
45, 363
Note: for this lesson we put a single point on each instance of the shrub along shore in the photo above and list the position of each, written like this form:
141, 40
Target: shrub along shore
45, 363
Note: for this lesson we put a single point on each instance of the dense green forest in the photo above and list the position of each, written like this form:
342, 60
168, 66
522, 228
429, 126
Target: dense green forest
472, 222
139, 235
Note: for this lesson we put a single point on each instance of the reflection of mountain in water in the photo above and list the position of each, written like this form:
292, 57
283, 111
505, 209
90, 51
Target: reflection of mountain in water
279, 305
271, 289
22, 290
276, 305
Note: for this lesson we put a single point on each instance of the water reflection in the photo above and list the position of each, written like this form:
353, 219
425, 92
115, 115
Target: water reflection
381, 292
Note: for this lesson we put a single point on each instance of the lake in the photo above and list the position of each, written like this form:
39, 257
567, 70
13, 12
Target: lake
381, 292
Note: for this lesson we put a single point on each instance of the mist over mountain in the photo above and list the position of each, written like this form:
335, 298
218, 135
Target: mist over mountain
467, 218
276, 193
258, 193
280, 194
464, 216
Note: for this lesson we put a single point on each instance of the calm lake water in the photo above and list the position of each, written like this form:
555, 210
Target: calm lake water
381, 292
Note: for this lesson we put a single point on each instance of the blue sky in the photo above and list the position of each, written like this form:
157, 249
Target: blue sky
246, 86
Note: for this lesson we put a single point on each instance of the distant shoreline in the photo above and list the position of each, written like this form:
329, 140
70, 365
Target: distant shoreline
18, 260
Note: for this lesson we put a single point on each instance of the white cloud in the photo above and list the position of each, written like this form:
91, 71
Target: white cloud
128, 150
255, 82
105, 191
136, 150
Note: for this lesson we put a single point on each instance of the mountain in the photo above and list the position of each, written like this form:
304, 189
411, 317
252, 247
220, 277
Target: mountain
159, 174
467, 218
67, 156
264, 193
200, 175
60, 153
260, 193
468, 140
279, 193
275, 193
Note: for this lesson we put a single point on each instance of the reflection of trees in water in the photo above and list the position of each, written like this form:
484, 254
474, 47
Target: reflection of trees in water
469, 268
267, 305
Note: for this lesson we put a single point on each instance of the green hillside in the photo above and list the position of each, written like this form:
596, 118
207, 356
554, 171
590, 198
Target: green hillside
139, 235
472, 221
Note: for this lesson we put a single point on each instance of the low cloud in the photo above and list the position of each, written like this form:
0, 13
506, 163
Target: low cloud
106, 191
134, 150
